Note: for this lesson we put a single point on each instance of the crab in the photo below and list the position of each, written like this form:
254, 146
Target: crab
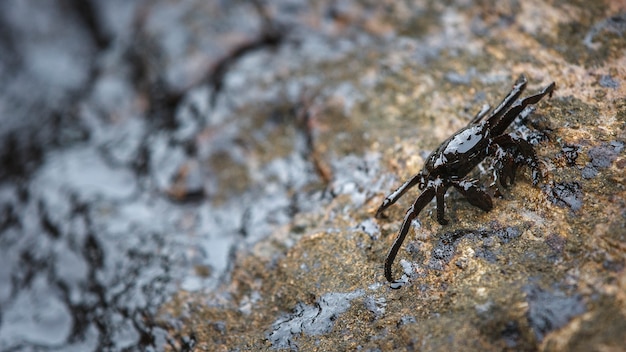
448, 165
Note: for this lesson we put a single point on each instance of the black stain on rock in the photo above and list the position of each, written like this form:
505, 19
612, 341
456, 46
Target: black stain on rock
605, 154
551, 310
445, 249
569, 152
565, 194
589, 172
316, 319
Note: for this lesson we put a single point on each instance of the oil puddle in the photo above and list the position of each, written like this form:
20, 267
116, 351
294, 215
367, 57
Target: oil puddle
312, 320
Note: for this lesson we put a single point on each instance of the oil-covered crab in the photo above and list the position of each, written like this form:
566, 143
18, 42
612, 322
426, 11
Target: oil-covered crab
448, 165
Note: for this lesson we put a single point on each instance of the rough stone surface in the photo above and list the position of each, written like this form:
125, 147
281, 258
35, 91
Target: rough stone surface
203, 175
543, 270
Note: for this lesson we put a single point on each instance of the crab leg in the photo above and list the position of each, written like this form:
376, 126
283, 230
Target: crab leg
511, 143
499, 124
427, 195
476, 196
395, 195
440, 192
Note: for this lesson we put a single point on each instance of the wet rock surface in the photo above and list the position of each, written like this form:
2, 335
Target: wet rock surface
204, 176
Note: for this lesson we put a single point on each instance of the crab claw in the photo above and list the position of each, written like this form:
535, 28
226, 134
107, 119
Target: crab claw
476, 196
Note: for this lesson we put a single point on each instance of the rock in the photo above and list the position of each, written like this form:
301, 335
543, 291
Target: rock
287, 123
527, 264
534, 273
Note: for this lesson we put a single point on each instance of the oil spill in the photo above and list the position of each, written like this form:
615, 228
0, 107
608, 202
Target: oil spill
107, 191
313, 319
549, 310
604, 155
565, 194
569, 153
445, 249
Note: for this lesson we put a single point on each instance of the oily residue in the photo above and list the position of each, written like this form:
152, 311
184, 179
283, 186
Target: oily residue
129, 173
565, 194
310, 319
445, 249
551, 310
569, 153
604, 155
